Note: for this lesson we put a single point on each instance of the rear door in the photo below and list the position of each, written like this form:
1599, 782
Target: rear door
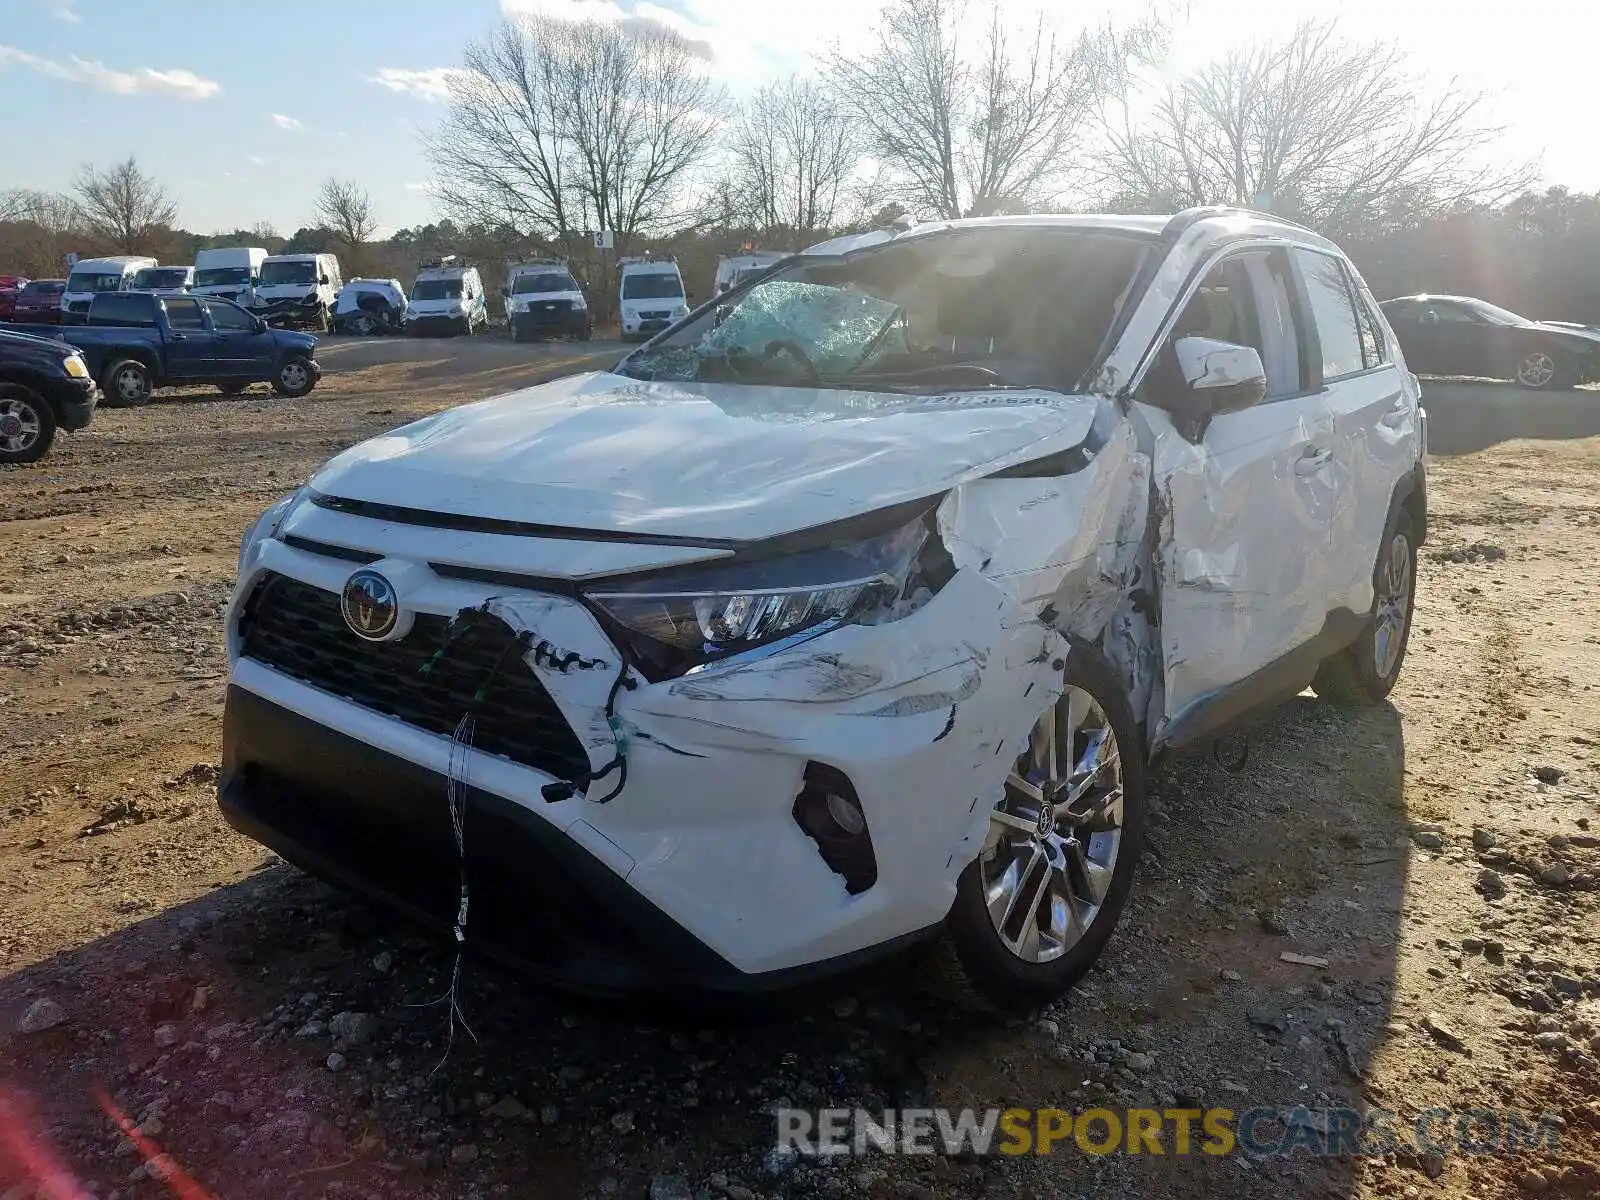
191, 344
243, 353
1246, 508
1377, 426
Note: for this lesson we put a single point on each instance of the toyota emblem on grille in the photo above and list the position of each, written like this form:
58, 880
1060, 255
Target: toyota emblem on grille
370, 607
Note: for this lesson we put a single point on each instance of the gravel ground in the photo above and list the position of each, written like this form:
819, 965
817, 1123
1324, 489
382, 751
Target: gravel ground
277, 1039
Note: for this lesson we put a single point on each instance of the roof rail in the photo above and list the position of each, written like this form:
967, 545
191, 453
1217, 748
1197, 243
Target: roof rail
513, 263
442, 260
1190, 216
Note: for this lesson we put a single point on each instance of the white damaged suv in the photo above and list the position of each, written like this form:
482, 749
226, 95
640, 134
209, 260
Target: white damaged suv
850, 609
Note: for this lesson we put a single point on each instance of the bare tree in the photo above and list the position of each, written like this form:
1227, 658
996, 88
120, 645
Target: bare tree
559, 126
1325, 130
794, 150
971, 134
345, 207
125, 206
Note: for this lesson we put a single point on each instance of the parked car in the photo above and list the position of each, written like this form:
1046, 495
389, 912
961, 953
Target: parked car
650, 295
846, 612
543, 300
135, 342
369, 306
92, 276
446, 297
44, 387
10, 285
297, 290
39, 302
163, 281
229, 273
1457, 335
734, 269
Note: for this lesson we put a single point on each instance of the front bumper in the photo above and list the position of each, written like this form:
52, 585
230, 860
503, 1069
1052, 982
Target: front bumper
74, 402
697, 872
436, 324
540, 320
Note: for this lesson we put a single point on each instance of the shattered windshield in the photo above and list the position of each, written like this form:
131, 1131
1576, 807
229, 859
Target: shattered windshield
1003, 307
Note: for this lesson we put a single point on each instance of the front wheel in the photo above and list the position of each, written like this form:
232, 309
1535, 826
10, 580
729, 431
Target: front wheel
1034, 910
127, 384
295, 378
365, 324
1542, 370
27, 424
1365, 672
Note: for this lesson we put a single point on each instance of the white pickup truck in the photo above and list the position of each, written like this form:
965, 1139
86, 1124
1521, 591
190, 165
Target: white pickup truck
847, 612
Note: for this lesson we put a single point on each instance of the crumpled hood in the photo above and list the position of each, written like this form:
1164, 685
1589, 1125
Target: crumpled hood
606, 452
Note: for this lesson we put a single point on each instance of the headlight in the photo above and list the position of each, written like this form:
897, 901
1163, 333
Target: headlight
680, 312
580, 304
73, 365
696, 614
265, 527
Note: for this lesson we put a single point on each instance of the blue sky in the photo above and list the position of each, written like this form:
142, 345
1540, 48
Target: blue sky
241, 108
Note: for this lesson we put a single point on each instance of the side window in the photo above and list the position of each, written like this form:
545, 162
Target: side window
235, 320
1452, 314
123, 308
184, 313
1374, 346
1331, 308
1403, 310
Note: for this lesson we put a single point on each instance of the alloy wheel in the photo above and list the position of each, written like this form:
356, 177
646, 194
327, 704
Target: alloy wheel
293, 377
19, 426
1536, 370
1053, 841
1393, 605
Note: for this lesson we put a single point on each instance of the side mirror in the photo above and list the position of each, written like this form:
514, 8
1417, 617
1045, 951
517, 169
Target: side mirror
323, 280
1218, 377
261, 326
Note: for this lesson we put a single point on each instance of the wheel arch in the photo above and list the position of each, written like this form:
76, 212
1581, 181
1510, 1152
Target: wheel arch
1410, 496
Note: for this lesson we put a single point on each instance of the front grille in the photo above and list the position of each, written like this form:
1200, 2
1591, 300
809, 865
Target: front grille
297, 629
656, 315
79, 306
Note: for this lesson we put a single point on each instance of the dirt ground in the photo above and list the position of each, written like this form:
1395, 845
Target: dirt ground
276, 1039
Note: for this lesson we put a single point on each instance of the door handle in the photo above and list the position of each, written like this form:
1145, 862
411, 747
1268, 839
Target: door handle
180, 337
1397, 416
1312, 461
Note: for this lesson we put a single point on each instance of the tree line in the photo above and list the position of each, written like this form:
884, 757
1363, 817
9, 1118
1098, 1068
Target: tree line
555, 128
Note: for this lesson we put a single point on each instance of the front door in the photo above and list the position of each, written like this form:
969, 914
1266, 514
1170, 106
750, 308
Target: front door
191, 345
1245, 508
243, 352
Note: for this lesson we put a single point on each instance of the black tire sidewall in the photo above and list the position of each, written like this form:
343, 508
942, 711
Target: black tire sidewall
47, 424
1000, 976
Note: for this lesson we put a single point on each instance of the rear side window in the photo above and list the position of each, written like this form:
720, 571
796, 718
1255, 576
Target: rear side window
123, 309
1333, 311
1374, 346
185, 314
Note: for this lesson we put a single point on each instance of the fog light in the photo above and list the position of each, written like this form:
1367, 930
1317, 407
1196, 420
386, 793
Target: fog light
829, 812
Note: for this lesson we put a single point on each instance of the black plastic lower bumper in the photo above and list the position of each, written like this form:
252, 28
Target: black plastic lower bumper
73, 401
365, 819
435, 326
539, 323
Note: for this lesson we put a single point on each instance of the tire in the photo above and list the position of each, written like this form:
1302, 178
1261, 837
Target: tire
127, 384
232, 389
1364, 672
1033, 966
364, 324
295, 377
27, 424
1543, 370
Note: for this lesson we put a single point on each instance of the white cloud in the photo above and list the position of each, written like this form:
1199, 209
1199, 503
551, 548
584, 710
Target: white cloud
185, 85
430, 84
283, 122
419, 187
62, 13
255, 160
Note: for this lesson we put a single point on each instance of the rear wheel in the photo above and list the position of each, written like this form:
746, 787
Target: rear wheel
127, 384
1542, 369
1036, 907
27, 424
1365, 672
365, 324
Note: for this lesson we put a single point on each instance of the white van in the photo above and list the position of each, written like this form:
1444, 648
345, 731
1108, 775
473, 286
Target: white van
298, 289
163, 281
651, 296
229, 273
734, 269
446, 298
91, 276
542, 298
